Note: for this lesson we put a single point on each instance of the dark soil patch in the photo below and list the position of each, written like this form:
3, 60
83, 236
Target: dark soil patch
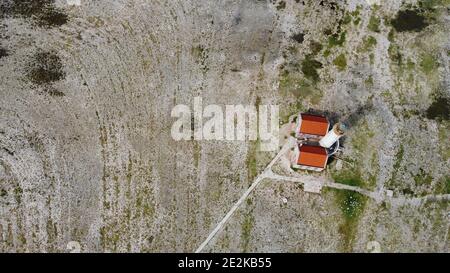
3, 53
439, 109
42, 12
281, 5
299, 37
45, 68
353, 118
54, 92
409, 20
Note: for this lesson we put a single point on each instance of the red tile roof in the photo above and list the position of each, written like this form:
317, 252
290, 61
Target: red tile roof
314, 125
313, 156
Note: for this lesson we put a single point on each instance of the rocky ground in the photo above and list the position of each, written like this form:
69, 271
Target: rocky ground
87, 91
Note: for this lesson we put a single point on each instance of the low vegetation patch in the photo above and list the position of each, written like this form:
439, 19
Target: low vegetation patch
395, 54
352, 206
374, 24
340, 62
310, 67
246, 230
443, 185
428, 63
423, 178
337, 39
368, 44
303, 89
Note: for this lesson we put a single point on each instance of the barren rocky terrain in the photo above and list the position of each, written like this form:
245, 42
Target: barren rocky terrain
86, 93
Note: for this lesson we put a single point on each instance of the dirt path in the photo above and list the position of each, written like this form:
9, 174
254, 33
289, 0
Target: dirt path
244, 196
378, 196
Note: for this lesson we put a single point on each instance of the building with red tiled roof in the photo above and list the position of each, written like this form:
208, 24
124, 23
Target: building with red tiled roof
310, 126
315, 142
309, 157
